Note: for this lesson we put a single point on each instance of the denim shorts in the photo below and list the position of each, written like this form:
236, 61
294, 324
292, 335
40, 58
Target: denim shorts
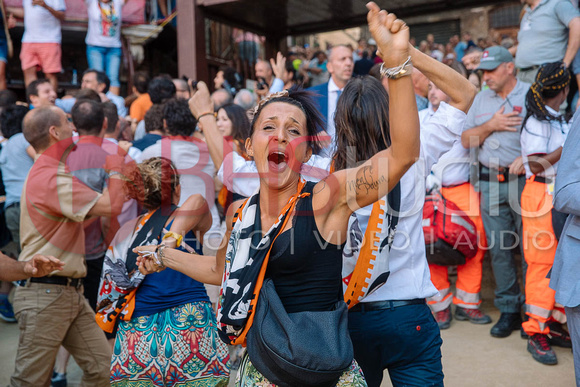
107, 59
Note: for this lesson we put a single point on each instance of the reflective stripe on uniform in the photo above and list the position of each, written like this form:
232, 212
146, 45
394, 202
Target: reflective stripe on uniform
440, 301
538, 311
468, 298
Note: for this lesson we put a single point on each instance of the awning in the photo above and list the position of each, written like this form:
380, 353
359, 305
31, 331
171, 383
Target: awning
296, 17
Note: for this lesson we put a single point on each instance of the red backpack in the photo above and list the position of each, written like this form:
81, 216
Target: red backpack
450, 235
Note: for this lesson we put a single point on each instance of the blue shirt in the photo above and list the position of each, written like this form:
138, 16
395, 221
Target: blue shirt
15, 164
146, 141
169, 288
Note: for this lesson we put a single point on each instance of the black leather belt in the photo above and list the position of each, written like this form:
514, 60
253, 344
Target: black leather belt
529, 68
65, 281
501, 176
381, 305
541, 179
454, 185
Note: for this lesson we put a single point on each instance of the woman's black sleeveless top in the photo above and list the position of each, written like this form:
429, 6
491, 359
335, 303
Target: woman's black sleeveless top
306, 270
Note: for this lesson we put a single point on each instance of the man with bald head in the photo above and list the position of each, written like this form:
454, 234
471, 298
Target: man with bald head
340, 66
52, 310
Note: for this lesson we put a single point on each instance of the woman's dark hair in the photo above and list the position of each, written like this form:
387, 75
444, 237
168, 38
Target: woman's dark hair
551, 79
361, 121
152, 182
302, 99
178, 118
240, 124
11, 119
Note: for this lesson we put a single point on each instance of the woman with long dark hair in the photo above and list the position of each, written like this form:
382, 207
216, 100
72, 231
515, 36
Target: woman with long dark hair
387, 283
313, 218
543, 134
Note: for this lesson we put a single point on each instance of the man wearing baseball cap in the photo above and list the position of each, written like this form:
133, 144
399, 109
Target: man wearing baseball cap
493, 126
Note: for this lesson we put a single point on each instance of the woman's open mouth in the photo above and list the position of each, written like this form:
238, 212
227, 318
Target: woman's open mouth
277, 161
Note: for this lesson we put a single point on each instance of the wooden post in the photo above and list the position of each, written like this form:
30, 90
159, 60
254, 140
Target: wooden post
191, 51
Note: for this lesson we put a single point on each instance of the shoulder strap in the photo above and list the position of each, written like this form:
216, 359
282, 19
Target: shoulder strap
150, 230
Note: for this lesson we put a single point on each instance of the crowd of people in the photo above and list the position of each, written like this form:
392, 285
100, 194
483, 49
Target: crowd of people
180, 234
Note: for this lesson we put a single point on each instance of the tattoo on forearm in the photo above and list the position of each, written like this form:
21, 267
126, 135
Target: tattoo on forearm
365, 181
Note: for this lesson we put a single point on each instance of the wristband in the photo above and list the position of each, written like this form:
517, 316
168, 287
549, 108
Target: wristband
206, 114
176, 236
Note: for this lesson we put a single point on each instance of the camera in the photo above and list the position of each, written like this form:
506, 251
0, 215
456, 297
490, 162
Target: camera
190, 82
262, 84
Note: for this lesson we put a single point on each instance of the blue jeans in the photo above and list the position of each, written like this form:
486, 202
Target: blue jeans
405, 340
500, 212
107, 59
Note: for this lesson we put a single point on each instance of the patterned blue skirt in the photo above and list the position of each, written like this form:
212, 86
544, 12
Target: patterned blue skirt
177, 347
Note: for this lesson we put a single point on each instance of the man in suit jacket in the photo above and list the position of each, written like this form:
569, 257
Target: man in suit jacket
565, 277
340, 66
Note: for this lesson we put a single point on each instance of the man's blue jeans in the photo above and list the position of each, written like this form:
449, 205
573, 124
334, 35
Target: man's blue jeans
501, 215
405, 340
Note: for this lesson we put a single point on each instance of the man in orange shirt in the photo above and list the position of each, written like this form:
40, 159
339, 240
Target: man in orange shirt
143, 102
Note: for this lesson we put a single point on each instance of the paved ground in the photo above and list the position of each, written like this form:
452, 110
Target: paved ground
471, 357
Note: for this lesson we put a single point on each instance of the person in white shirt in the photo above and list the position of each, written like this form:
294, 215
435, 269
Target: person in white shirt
104, 38
41, 42
392, 327
452, 171
544, 132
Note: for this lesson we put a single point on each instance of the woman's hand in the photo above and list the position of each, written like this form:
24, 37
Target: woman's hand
391, 35
279, 66
147, 259
201, 103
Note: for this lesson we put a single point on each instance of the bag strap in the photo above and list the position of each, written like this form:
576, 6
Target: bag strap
152, 227
241, 339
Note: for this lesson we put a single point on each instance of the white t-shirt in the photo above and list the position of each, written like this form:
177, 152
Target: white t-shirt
40, 26
541, 138
104, 23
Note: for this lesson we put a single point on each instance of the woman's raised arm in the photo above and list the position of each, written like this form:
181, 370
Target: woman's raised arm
201, 106
363, 185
